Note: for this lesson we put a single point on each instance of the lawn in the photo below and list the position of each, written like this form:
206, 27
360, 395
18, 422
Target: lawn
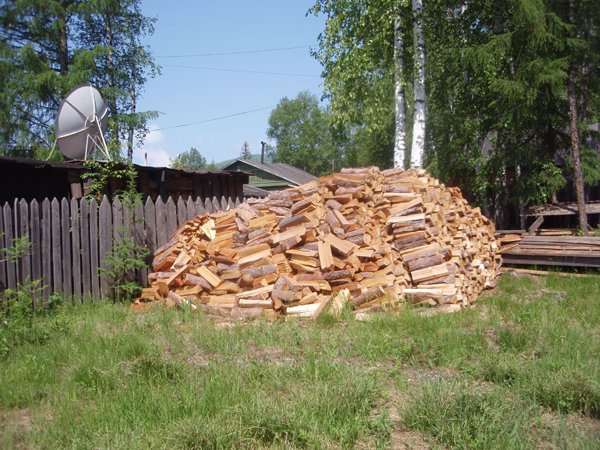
519, 370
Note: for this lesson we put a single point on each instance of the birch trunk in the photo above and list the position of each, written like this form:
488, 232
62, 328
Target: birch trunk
400, 140
418, 138
583, 223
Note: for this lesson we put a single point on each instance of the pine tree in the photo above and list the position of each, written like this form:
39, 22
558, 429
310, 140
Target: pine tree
245, 152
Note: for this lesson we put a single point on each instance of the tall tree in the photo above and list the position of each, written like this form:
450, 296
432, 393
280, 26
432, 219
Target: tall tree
418, 135
303, 137
47, 47
245, 152
192, 160
115, 28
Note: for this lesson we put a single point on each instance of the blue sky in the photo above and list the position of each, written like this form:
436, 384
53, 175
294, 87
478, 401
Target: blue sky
183, 95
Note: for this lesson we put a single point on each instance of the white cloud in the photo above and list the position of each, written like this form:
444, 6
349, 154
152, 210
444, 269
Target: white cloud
154, 149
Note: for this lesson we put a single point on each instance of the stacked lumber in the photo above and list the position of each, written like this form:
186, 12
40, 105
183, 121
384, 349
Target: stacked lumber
548, 250
362, 239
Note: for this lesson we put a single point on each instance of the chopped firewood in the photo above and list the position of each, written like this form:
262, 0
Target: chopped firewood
367, 238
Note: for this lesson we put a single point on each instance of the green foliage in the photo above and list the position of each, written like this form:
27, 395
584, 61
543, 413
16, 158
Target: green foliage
519, 370
20, 247
100, 174
24, 321
245, 152
122, 263
48, 47
303, 137
191, 160
497, 112
126, 257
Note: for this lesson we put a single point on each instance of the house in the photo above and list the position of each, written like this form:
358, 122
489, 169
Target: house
270, 176
27, 179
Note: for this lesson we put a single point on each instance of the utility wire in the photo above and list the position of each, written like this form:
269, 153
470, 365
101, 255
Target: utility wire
214, 118
218, 69
241, 52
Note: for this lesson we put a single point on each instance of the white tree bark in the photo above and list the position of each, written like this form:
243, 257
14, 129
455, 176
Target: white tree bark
418, 137
400, 140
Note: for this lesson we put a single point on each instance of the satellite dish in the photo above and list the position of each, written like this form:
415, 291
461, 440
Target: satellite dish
81, 122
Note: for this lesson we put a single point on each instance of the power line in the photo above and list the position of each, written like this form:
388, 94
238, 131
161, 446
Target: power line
240, 52
214, 118
219, 69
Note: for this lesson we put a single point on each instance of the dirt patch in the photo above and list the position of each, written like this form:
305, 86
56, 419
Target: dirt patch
421, 375
407, 439
270, 355
17, 423
575, 422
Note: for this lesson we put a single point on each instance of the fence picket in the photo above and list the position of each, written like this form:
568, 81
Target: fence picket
11, 274
94, 263
161, 223
105, 235
208, 206
76, 246
25, 263
191, 208
139, 238
67, 267
57, 284
150, 219
171, 217
181, 212
86, 275
71, 240
46, 229
216, 204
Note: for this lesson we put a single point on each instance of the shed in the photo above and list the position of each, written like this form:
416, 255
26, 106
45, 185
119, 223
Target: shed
27, 179
270, 177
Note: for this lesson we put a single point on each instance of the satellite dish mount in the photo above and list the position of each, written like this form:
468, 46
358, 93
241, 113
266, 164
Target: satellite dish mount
80, 124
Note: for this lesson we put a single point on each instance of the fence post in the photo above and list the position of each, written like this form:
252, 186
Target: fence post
76, 246
67, 267
56, 253
46, 248
105, 234
95, 274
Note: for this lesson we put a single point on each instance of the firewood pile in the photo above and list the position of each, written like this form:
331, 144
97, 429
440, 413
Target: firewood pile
362, 239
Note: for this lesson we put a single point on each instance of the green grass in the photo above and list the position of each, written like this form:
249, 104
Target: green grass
519, 370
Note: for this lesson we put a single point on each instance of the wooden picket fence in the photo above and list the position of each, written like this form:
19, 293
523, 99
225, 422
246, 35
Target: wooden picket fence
71, 240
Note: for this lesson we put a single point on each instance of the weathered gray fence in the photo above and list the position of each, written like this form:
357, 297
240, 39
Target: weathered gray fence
71, 240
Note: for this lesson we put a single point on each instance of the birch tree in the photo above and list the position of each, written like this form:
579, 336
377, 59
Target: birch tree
400, 102
418, 134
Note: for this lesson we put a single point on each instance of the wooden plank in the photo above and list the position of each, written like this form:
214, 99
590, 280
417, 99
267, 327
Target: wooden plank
181, 212
171, 217
117, 217
25, 263
535, 225
36, 243
76, 246
161, 223
139, 239
216, 204
11, 272
205, 273
94, 260
199, 206
150, 221
57, 285
67, 266
2, 256
46, 250
105, 237
325, 256
190, 208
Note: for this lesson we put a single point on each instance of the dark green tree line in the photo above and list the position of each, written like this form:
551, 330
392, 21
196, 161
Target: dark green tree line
499, 119
47, 47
